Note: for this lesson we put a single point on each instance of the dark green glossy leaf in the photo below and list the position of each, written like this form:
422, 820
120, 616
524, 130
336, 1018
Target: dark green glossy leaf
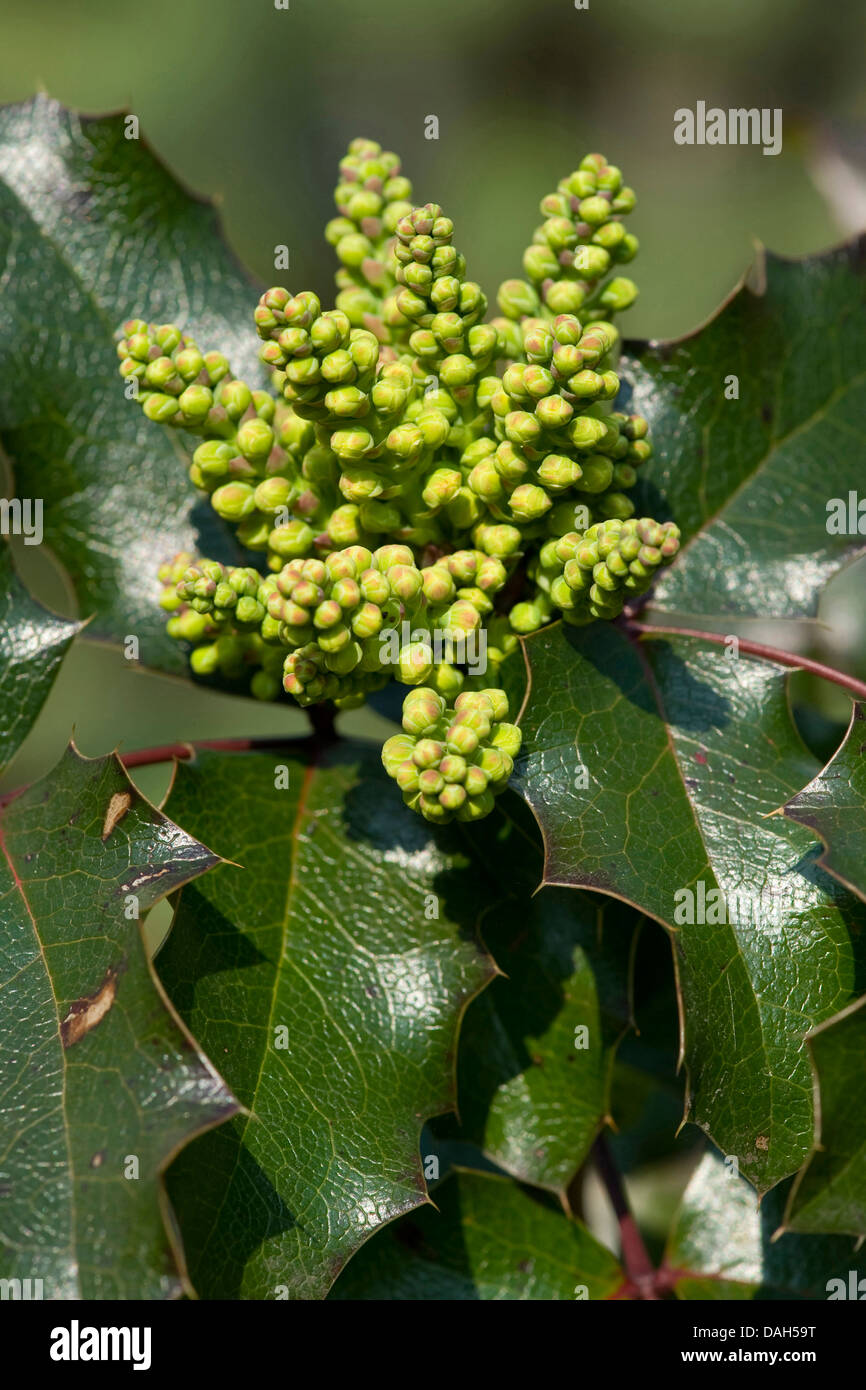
748, 480
95, 219
830, 1193
726, 1245
33, 642
487, 1240
99, 1083
686, 752
834, 806
537, 1047
327, 978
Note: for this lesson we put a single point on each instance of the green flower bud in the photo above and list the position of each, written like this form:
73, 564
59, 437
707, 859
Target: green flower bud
592, 261
438, 585
553, 412
205, 660
508, 738
249, 612
254, 531
161, 409
415, 663
360, 484
396, 750
293, 539
499, 540
585, 431
274, 494
441, 487
614, 504
540, 263
422, 710
344, 526
485, 482
195, 404
564, 296
529, 616
510, 464
618, 294
234, 501
235, 397
379, 517
557, 472
517, 299
597, 473
529, 502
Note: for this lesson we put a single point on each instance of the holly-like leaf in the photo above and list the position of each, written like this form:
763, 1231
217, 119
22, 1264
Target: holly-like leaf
537, 1047
725, 1244
33, 642
98, 231
834, 806
654, 770
829, 1194
756, 428
487, 1240
327, 978
100, 1084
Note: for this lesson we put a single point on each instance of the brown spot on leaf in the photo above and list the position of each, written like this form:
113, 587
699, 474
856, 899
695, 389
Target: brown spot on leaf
762, 1142
90, 1010
700, 757
98, 1159
117, 809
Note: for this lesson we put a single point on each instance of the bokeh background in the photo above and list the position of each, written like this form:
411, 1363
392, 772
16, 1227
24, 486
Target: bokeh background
253, 105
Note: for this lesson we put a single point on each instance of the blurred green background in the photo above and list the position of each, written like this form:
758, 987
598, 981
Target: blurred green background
253, 106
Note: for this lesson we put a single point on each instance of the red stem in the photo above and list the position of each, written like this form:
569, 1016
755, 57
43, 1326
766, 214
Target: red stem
144, 757
323, 731
636, 1261
783, 658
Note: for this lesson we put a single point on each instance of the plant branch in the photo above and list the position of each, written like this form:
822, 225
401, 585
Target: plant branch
777, 654
147, 757
636, 1261
322, 721
166, 752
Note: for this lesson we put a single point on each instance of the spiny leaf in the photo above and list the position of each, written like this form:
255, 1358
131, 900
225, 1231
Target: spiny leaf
487, 1241
327, 977
652, 771
834, 806
94, 216
830, 1192
33, 642
725, 1244
537, 1047
748, 479
99, 1083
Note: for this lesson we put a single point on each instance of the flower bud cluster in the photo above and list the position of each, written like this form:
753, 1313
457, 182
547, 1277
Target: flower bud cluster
420, 486
451, 761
